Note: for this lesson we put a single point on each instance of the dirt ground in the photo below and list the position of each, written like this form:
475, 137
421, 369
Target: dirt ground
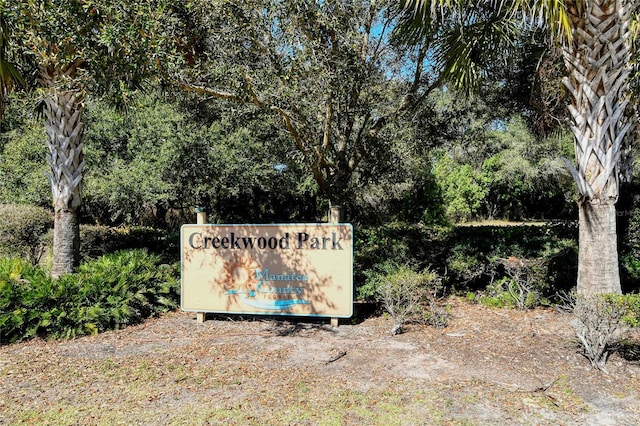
487, 367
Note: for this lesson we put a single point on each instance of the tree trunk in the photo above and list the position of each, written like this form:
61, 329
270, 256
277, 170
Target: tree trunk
66, 242
598, 271
597, 59
65, 128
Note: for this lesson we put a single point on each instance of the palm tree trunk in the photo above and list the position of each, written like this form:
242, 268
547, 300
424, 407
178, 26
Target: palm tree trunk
65, 129
598, 62
66, 242
598, 270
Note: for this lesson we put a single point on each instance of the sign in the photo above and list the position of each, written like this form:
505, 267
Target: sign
286, 269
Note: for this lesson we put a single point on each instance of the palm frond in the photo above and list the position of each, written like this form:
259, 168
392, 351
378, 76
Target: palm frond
9, 74
475, 36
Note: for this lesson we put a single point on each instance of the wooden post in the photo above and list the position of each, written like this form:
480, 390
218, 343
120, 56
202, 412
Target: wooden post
335, 216
201, 219
201, 215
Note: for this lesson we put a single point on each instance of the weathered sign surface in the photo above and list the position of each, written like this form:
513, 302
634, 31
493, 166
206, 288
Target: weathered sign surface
285, 269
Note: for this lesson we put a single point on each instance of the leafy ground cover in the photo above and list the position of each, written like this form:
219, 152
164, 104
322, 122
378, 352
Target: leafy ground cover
486, 367
110, 292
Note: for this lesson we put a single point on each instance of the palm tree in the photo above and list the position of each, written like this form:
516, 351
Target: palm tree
102, 46
63, 110
594, 36
65, 128
598, 59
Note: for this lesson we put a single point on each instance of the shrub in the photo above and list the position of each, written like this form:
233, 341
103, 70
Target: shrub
463, 188
113, 291
409, 295
404, 243
632, 315
477, 255
465, 256
630, 269
98, 240
23, 164
598, 325
25, 296
466, 267
122, 288
22, 228
522, 287
496, 294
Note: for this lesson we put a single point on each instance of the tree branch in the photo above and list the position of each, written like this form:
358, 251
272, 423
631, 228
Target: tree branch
220, 94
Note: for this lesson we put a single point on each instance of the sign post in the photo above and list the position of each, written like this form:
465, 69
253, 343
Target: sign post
335, 216
201, 219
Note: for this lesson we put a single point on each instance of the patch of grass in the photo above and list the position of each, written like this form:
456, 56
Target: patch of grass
332, 403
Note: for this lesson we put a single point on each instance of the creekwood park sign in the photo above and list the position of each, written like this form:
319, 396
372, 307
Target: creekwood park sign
286, 269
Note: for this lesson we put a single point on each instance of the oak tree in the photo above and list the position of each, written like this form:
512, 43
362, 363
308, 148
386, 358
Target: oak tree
325, 69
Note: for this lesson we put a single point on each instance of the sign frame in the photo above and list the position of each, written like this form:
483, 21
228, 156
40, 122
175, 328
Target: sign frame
284, 269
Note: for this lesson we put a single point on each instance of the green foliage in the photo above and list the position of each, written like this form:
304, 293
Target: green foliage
526, 177
164, 162
370, 290
130, 165
632, 304
598, 325
628, 226
513, 293
631, 266
469, 258
408, 295
396, 242
25, 292
152, 165
463, 189
305, 62
398, 186
466, 264
496, 295
473, 251
111, 292
497, 169
98, 240
508, 186
22, 231
526, 283
113, 46
23, 165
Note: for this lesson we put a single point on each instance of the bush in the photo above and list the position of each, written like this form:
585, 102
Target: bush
399, 242
98, 240
113, 291
497, 295
409, 295
23, 163
545, 255
22, 228
632, 315
25, 296
465, 256
630, 270
522, 287
463, 189
598, 325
